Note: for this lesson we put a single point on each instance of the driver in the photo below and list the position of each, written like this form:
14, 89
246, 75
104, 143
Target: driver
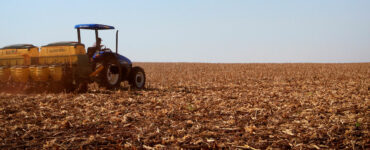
96, 47
97, 44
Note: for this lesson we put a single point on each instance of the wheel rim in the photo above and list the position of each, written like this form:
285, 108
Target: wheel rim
112, 77
139, 79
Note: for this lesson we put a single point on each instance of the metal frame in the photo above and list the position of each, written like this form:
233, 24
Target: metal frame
96, 38
78, 35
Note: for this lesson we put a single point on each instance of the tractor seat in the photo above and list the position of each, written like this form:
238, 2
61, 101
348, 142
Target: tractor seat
91, 51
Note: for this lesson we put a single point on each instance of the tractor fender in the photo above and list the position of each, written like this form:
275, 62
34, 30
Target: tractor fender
126, 66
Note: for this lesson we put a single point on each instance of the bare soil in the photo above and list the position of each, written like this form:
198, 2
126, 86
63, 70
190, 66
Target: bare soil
201, 106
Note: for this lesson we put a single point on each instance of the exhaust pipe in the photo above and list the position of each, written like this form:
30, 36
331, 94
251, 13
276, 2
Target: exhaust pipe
117, 42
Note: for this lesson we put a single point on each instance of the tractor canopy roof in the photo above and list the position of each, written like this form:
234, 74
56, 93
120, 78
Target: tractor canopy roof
18, 46
93, 26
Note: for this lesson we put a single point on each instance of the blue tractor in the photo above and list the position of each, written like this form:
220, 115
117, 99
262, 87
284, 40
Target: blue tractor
109, 68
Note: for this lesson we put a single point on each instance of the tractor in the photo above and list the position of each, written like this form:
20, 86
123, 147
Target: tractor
68, 65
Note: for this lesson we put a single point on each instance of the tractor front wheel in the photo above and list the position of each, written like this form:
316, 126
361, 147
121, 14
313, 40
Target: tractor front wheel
137, 78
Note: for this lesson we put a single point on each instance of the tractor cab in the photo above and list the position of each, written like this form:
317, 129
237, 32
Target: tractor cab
97, 51
96, 27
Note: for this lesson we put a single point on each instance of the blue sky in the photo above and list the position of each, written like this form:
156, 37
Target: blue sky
230, 31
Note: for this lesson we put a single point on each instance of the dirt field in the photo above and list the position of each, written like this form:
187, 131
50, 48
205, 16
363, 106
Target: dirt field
193, 106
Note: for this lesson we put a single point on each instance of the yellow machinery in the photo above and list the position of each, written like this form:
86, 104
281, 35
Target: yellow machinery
56, 72
32, 69
65, 62
14, 61
20, 54
55, 58
42, 73
61, 53
4, 74
20, 73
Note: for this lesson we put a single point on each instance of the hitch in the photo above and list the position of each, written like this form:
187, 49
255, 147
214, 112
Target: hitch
97, 71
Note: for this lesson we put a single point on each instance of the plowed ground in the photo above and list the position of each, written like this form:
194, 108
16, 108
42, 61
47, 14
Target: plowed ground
187, 105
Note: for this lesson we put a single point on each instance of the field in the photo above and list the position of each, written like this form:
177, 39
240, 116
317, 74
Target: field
194, 106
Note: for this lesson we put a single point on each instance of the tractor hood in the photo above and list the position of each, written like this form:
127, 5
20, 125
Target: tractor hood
123, 60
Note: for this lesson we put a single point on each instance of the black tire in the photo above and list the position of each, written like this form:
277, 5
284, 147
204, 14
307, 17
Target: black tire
82, 87
137, 78
111, 75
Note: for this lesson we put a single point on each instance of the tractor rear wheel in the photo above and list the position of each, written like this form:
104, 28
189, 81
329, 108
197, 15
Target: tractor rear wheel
111, 75
137, 78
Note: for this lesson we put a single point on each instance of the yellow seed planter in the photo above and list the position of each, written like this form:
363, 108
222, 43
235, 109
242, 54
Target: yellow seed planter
4, 74
20, 54
56, 72
20, 73
42, 73
60, 53
33, 72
